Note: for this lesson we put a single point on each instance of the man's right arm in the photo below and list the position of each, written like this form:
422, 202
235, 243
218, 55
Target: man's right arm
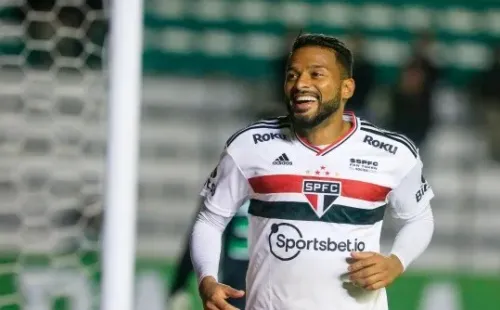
206, 243
224, 192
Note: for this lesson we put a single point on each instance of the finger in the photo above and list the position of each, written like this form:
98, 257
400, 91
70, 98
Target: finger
360, 264
224, 305
377, 285
362, 255
210, 306
233, 293
365, 272
366, 282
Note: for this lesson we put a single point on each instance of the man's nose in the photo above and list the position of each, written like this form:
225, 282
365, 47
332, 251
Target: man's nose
303, 82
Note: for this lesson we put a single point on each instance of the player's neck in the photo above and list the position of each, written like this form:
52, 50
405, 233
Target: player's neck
327, 132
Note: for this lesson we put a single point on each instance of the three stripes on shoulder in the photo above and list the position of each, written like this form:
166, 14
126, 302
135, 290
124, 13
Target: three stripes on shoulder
369, 127
271, 123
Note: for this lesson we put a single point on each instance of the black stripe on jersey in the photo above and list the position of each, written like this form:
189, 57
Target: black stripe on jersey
391, 134
268, 126
285, 157
302, 211
384, 134
274, 119
394, 137
273, 123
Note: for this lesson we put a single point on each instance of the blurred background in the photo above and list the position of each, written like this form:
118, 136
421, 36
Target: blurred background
429, 69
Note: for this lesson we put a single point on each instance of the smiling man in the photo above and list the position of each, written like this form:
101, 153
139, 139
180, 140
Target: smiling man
319, 181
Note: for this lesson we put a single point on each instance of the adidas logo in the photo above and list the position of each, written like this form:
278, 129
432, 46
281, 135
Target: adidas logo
282, 160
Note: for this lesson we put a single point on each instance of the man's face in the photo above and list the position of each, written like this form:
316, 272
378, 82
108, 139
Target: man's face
313, 86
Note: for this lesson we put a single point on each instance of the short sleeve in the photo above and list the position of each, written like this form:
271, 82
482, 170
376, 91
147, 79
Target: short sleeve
413, 195
226, 189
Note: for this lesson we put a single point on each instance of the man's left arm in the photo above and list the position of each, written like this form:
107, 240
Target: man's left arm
410, 208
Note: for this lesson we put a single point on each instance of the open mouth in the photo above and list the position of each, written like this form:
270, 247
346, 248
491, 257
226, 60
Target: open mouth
302, 103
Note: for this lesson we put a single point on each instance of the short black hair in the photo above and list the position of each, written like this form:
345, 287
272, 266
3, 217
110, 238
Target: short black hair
344, 55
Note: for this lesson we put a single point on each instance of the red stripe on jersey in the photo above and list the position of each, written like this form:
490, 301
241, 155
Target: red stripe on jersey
288, 183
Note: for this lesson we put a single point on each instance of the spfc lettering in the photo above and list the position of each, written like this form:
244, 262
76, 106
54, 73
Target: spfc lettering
321, 195
380, 144
363, 165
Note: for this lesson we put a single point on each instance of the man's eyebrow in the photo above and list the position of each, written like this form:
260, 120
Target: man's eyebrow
309, 67
317, 67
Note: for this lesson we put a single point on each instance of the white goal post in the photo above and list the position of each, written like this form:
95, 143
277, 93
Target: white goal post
119, 231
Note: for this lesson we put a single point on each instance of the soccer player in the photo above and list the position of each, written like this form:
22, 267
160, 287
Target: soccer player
319, 181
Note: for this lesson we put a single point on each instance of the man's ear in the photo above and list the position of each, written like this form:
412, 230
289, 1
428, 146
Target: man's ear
347, 88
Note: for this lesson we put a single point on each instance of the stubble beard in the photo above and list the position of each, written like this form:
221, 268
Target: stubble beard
325, 110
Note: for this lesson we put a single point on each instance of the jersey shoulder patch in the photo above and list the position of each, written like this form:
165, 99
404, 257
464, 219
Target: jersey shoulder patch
257, 131
391, 141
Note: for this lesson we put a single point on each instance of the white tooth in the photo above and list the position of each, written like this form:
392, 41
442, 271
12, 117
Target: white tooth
306, 98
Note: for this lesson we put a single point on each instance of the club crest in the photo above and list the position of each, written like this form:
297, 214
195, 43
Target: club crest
320, 194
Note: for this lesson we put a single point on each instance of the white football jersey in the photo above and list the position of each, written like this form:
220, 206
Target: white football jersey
311, 207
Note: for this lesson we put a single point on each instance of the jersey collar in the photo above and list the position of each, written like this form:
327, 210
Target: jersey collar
348, 116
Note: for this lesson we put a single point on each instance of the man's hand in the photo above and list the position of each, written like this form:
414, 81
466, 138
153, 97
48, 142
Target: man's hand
373, 271
214, 294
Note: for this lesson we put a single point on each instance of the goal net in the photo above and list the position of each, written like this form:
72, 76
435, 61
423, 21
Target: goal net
52, 138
